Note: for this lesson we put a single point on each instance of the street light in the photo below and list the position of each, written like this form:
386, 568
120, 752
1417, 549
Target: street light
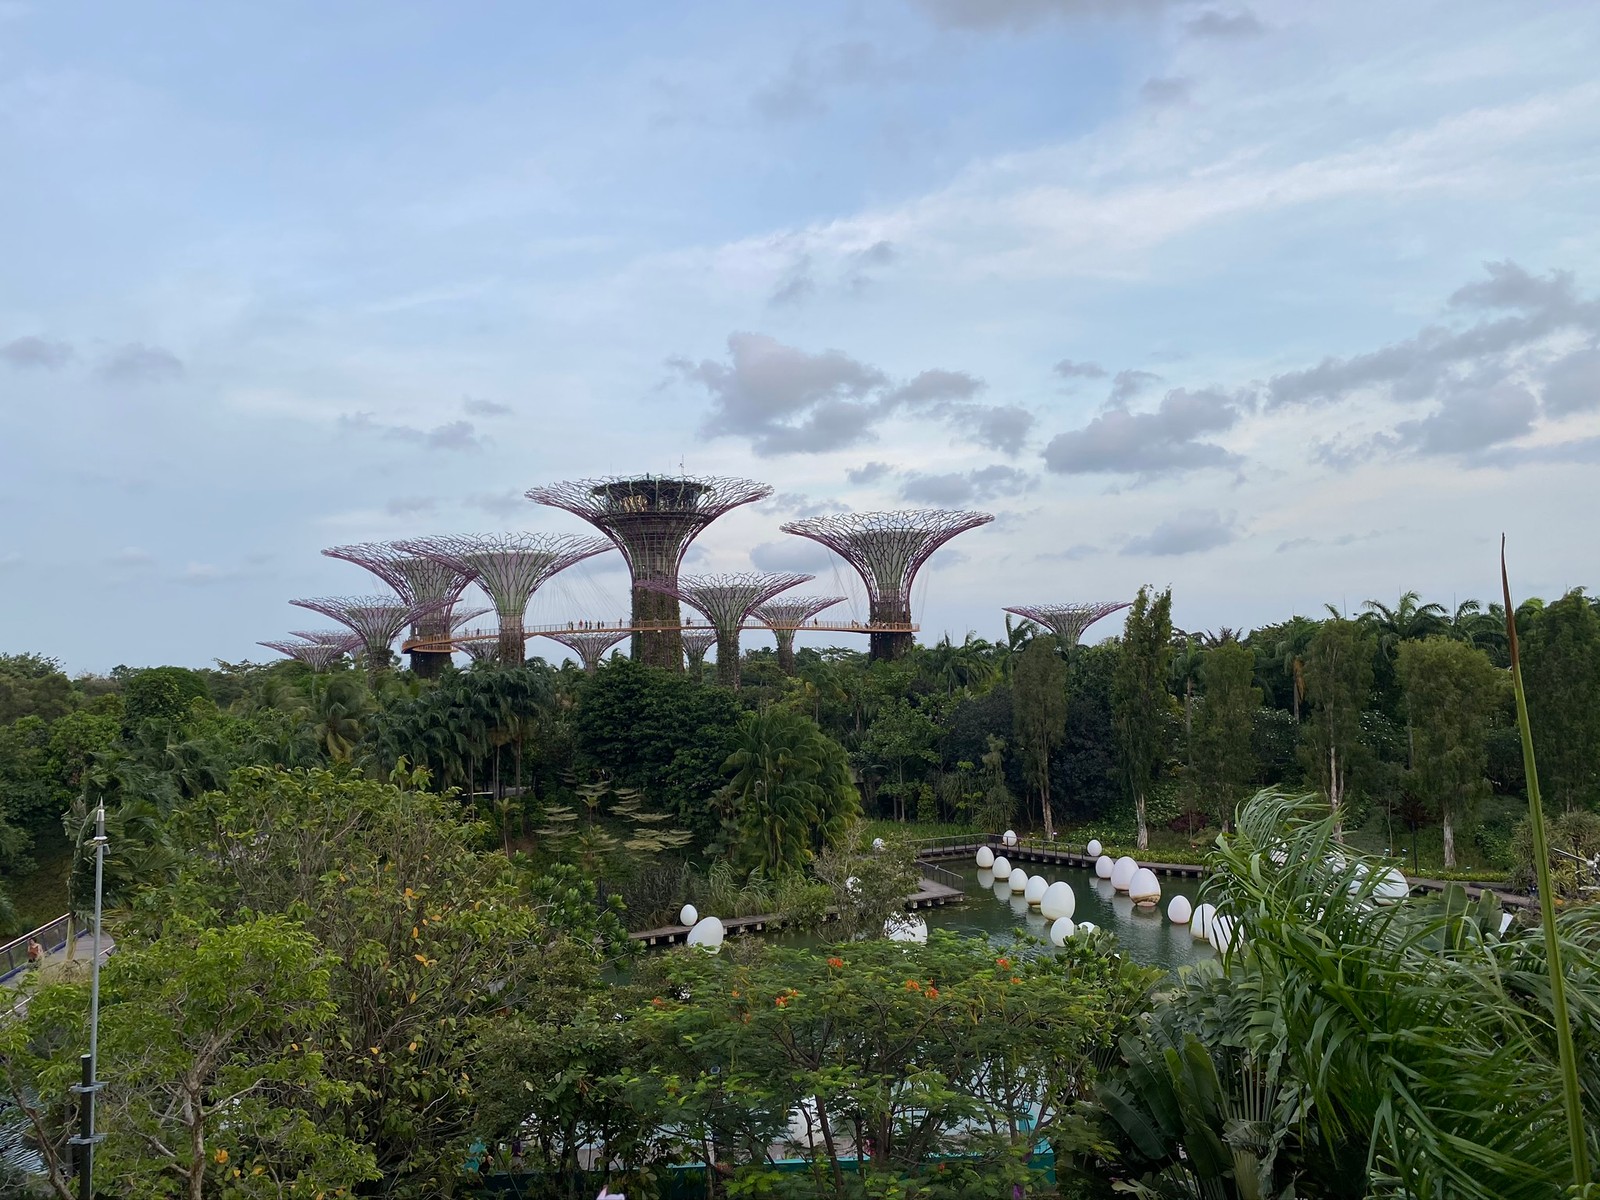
87, 1138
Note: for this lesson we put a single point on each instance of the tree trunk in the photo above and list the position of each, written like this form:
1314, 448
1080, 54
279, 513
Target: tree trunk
1449, 838
1044, 804
1143, 842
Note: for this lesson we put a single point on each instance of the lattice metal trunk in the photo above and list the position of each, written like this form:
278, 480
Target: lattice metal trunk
887, 549
1068, 621
510, 568
652, 520
420, 580
783, 617
726, 601
590, 645
376, 620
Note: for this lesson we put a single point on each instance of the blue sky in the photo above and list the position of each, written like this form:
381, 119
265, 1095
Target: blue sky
1281, 304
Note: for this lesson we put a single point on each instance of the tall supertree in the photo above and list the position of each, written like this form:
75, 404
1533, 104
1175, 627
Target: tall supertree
887, 549
784, 616
376, 620
319, 656
652, 520
510, 568
695, 644
590, 645
1067, 621
726, 601
416, 579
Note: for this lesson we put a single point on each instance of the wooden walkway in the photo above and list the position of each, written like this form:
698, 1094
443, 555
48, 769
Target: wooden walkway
930, 893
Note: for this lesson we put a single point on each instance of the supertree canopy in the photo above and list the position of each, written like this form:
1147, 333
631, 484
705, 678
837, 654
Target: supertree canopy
783, 616
1067, 621
329, 637
376, 620
509, 567
726, 601
652, 520
590, 645
695, 644
319, 656
887, 549
416, 579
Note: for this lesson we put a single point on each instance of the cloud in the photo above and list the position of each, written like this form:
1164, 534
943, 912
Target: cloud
1166, 91
1572, 383
801, 89
1471, 418
410, 506
1579, 450
1344, 539
132, 556
139, 364
868, 472
199, 574
500, 504
452, 435
880, 254
786, 400
957, 488
792, 554
36, 353
1072, 553
1068, 369
796, 286
1129, 384
796, 504
1018, 16
1167, 441
1188, 533
485, 408
1004, 428
1225, 26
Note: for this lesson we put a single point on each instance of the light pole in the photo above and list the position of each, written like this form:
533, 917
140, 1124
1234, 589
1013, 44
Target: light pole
87, 1138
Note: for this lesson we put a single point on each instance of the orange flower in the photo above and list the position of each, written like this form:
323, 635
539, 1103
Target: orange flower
220, 1156
836, 963
932, 993
735, 993
658, 1002
1014, 979
913, 986
781, 1001
1002, 962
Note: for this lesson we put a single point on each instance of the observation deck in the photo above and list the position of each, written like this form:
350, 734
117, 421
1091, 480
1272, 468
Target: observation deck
631, 627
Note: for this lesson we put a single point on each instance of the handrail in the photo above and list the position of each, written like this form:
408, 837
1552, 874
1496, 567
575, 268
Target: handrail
52, 935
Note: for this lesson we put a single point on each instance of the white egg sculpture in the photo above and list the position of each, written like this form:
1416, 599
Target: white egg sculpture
1038, 885
1200, 922
707, 934
1391, 887
1505, 921
1086, 927
853, 886
688, 915
1094, 849
1103, 866
1009, 837
906, 929
1224, 934
1122, 873
1179, 910
1144, 887
1061, 929
1059, 902
1002, 867
985, 858
877, 844
1019, 880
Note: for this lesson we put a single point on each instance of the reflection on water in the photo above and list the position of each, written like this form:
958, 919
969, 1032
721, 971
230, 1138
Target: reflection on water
1144, 934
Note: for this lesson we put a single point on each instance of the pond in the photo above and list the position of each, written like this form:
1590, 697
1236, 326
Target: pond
1144, 934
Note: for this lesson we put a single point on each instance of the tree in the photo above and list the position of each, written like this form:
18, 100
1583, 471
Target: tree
160, 694
902, 734
33, 685
1561, 667
1039, 691
791, 791
1451, 694
1224, 757
1140, 698
1338, 674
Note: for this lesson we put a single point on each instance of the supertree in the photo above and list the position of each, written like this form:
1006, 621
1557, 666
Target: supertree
510, 568
1067, 621
376, 620
319, 656
416, 579
695, 644
480, 649
887, 549
341, 637
590, 645
652, 520
784, 616
726, 601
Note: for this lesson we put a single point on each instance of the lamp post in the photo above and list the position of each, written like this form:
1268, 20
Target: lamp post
86, 1138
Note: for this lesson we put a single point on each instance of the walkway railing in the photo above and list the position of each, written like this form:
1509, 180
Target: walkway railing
53, 937
939, 875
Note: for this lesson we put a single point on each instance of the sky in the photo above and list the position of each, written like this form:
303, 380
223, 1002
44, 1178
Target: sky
1283, 306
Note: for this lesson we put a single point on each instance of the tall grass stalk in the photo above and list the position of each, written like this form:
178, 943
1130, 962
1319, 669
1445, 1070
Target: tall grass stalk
1547, 902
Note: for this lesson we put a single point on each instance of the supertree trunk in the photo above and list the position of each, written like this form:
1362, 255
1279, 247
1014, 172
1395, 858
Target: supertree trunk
728, 657
785, 650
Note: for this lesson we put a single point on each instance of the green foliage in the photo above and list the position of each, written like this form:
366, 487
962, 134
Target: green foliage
1572, 836
1140, 701
33, 685
1224, 756
1039, 685
1561, 664
1337, 668
790, 791
159, 694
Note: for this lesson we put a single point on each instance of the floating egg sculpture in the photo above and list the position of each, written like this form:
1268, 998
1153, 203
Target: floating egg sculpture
1179, 910
877, 843
1086, 927
688, 915
1002, 867
1103, 866
906, 929
1059, 902
1144, 887
1061, 929
708, 934
1505, 921
1019, 880
1009, 837
1391, 887
1037, 886
1094, 849
1122, 873
1200, 922
985, 858
1224, 934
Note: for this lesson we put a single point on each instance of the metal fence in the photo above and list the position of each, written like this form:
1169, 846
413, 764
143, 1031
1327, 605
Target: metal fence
939, 875
53, 937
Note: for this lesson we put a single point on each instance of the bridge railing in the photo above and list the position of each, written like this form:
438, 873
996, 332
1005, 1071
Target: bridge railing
52, 936
940, 875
